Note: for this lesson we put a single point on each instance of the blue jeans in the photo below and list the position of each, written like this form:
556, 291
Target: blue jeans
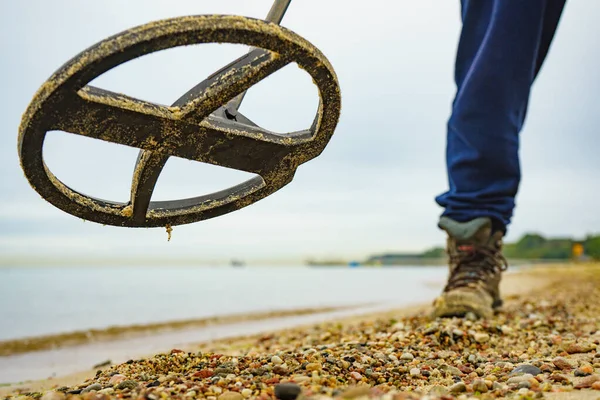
502, 46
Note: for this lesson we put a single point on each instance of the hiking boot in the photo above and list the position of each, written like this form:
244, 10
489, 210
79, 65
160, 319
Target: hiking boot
476, 264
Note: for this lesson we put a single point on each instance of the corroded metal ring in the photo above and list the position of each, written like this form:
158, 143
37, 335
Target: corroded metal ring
198, 126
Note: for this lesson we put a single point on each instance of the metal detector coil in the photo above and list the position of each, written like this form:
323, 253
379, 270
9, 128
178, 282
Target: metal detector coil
202, 125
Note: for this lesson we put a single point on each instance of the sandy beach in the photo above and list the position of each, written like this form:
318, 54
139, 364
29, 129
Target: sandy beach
544, 344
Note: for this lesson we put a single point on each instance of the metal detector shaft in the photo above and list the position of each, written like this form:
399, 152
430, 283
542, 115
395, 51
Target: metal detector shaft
275, 15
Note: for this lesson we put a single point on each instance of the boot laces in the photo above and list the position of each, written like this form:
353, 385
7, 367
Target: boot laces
473, 265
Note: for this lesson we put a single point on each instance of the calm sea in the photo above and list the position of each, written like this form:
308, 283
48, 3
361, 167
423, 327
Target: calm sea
37, 301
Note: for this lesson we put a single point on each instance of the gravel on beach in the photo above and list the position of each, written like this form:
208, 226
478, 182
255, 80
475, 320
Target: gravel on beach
542, 345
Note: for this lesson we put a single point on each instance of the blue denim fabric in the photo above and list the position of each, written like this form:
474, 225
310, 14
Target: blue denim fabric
502, 46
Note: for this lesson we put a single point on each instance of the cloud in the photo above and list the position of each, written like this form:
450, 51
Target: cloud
371, 190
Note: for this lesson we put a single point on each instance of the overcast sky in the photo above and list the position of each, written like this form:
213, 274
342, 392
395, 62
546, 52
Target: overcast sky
371, 190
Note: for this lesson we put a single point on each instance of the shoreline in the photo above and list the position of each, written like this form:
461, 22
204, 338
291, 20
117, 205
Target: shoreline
60, 340
516, 285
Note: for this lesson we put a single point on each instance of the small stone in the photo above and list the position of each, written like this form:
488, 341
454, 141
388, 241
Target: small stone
53, 396
523, 392
579, 348
287, 391
407, 356
93, 386
454, 371
479, 386
438, 391
107, 391
497, 386
507, 330
596, 385
355, 392
279, 369
230, 396
546, 387
300, 378
524, 384
526, 369
128, 384
516, 380
471, 317
547, 368
415, 372
559, 378
584, 371
313, 366
246, 393
116, 379
355, 375
472, 359
458, 387
562, 364
587, 382
481, 337
276, 360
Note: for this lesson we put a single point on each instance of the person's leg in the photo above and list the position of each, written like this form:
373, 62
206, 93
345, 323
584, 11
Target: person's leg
502, 47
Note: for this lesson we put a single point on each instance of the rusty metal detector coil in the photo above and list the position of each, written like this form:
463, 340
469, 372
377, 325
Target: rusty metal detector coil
203, 125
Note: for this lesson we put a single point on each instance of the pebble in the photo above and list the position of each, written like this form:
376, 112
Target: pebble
355, 375
415, 372
438, 391
300, 378
579, 348
116, 379
458, 387
515, 380
481, 337
526, 369
276, 360
455, 371
524, 384
596, 385
471, 317
562, 363
479, 386
230, 396
108, 391
93, 386
246, 393
587, 382
497, 386
313, 366
127, 384
287, 391
560, 378
355, 392
407, 356
584, 371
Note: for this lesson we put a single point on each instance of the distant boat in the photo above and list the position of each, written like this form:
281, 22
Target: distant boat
237, 263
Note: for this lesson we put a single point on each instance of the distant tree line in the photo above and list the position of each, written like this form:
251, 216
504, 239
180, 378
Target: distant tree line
534, 246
